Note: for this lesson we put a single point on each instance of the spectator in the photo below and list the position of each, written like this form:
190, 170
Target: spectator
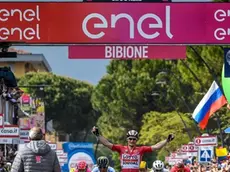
36, 156
2, 168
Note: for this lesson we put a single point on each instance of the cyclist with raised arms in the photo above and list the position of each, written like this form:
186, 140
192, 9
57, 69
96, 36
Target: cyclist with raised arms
131, 155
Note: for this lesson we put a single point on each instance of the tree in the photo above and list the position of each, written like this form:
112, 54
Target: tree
213, 56
156, 127
129, 89
123, 95
67, 101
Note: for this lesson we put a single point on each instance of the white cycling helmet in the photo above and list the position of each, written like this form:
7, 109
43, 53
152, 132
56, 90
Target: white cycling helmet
132, 133
158, 165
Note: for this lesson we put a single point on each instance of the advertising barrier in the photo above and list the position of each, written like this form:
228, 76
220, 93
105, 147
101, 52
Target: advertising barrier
77, 152
11, 131
9, 134
24, 135
206, 141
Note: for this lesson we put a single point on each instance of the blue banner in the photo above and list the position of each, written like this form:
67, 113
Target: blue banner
78, 151
227, 62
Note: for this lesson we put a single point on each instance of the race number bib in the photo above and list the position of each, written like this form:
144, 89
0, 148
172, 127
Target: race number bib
130, 161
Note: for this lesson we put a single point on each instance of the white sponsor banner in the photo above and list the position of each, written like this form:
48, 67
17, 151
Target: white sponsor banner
182, 155
24, 134
62, 155
59, 151
173, 155
184, 148
173, 161
6, 140
53, 146
16, 141
23, 141
9, 131
206, 141
62, 159
189, 148
192, 154
9, 140
192, 148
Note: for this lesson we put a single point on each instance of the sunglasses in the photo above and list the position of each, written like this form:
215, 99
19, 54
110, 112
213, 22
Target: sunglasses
133, 139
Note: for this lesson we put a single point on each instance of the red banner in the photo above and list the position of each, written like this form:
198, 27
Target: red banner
126, 52
115, 23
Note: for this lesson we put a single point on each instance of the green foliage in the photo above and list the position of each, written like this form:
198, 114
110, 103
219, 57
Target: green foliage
124, 95
67, 101
130, 96
213, 56
156, 127
115, 157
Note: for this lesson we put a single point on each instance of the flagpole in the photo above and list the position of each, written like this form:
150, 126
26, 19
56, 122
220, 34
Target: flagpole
172, 105
201, 85
184, 123
217, 82
181, 97
219, 126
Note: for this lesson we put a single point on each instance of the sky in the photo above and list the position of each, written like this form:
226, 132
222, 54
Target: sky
57, 56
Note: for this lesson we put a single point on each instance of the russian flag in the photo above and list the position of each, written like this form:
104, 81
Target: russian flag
211, 102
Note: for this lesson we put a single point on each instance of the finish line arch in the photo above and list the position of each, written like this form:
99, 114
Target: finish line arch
126, 29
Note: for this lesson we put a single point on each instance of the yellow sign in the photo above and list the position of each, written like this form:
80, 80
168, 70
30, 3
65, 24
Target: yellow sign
221, 152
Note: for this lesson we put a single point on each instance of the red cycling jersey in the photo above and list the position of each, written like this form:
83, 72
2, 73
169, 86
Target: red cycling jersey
130, 159
176, 169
